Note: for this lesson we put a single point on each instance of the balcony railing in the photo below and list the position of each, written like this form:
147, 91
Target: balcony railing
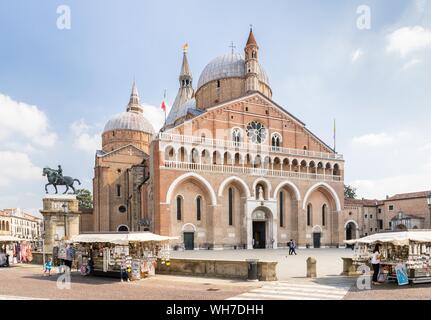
187, 166
240, 146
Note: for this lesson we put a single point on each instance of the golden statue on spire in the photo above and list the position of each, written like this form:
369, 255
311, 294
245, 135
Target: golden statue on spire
185, 47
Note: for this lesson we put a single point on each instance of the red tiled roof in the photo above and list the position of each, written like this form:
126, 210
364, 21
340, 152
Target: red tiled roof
411, 195
362, 202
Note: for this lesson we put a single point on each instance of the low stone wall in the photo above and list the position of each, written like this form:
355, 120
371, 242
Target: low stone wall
217, 268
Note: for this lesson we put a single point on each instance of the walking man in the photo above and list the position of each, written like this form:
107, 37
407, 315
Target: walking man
294, 247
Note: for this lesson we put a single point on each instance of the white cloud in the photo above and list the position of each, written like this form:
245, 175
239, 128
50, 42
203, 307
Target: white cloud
155, 115
357, 55
408, 39
20, 120
17, 166
411, 63
373, 139
85, 140
379, 188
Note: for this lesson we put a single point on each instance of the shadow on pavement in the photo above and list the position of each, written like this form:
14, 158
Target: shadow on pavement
76, 278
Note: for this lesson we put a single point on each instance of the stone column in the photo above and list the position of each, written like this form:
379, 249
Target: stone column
60, 211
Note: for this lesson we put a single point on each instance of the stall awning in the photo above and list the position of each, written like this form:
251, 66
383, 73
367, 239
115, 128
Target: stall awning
9, 239
120, 238
397, 238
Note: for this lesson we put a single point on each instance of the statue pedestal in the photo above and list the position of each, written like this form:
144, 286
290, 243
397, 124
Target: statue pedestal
61, 218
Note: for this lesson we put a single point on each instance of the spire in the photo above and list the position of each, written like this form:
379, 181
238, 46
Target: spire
185, 74
134, 102
185, 92
185, 68
251, 40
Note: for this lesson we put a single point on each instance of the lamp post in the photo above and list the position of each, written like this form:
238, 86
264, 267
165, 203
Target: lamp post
65, 210
429, 206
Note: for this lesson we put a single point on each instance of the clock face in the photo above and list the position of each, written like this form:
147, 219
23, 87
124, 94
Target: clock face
256, 132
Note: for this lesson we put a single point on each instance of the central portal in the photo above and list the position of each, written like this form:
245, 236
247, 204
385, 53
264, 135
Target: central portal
259, 235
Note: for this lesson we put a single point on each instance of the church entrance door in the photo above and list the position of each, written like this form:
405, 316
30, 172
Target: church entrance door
316, 239
259, 235
189, 240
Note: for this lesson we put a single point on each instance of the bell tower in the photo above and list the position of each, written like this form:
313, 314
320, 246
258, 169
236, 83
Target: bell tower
251, 63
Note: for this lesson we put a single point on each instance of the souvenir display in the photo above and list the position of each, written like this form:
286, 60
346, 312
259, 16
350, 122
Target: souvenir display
137, 259
415, 259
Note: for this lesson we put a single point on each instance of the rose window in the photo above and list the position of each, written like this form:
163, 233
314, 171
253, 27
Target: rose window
256, 132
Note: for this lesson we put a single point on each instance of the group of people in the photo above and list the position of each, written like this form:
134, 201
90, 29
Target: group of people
292, 247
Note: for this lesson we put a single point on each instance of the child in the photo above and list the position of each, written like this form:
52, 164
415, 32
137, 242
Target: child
48, 267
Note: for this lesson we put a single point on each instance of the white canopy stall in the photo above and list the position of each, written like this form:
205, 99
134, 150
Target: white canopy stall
115, 253
409, 248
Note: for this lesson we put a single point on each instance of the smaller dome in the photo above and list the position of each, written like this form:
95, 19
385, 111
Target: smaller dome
129, 121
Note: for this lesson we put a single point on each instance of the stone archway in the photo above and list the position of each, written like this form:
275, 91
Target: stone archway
351, 230
262, 231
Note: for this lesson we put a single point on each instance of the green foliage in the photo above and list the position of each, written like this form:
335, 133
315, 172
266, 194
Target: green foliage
349, 192
85, 198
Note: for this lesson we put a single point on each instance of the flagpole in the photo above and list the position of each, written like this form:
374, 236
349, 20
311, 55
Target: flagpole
164, 99
335, 136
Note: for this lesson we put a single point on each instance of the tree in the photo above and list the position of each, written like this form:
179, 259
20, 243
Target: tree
349, 192
85, 198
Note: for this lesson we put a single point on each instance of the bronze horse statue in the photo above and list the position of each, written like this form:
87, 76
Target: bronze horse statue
56, 179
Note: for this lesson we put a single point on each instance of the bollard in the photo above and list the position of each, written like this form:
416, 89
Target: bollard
311, 268
252, 270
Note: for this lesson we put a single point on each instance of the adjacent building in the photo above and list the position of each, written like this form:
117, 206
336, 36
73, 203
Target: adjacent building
16, 222
402, 211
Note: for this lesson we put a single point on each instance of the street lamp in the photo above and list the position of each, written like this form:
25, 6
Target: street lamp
65, 210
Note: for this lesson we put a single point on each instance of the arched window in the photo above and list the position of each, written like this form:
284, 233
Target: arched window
281, 209
276, 141
324, 215
2, 227
236, 136
309, 213
198, 208
218, 84
179, 207
123, 228
230, 206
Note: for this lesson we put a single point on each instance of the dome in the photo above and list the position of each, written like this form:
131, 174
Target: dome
230, 65
129, 121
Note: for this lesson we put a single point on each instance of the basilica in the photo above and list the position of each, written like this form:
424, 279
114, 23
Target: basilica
231, 168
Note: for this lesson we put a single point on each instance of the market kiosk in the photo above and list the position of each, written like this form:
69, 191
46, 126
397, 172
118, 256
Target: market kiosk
116, 254
407, 252
6, 250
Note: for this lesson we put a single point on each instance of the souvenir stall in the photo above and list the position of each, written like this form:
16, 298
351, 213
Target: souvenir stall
7, 245
132, 256
405, 256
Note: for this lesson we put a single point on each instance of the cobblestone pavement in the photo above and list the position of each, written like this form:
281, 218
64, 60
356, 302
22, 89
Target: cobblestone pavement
28, 282
391, 291
329, 262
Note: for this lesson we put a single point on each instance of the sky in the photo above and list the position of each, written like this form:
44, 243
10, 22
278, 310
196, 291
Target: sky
366, 64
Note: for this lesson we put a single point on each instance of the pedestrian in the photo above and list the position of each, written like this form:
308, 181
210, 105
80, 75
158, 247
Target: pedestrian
289, 244
48, 267
90, 266
375, 262
294, 247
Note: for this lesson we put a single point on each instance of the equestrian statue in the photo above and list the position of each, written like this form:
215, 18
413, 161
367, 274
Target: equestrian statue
56, 178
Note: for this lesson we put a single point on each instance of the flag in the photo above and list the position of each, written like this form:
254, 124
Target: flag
163, 106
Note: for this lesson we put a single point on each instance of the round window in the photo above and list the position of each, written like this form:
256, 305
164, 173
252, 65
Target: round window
256, 132
122, 209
